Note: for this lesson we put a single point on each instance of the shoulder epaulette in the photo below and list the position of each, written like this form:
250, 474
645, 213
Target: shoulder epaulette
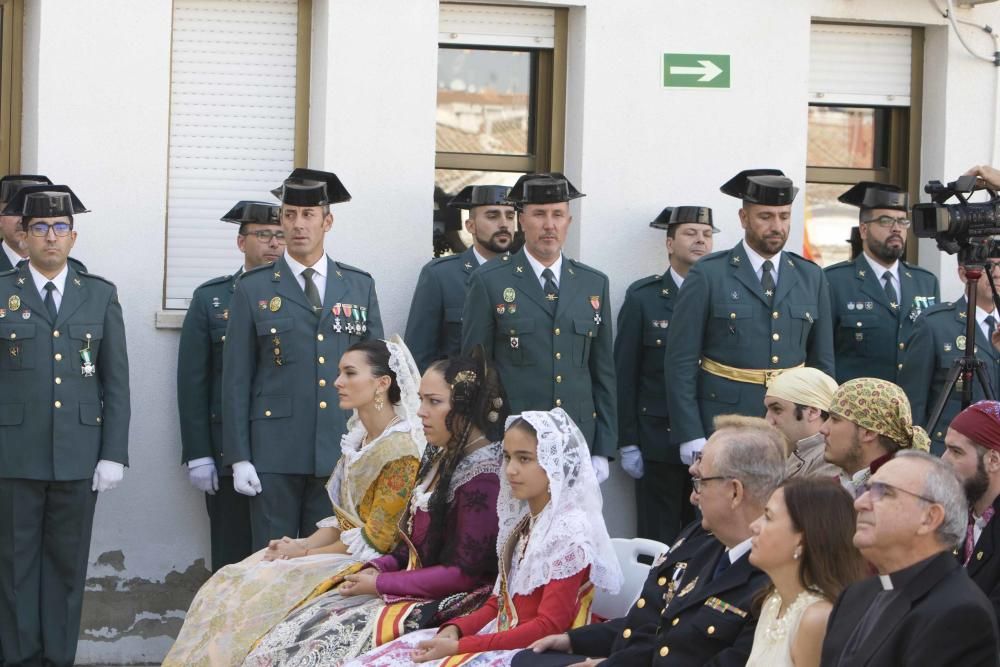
914, 267
215, 281
947, 306
643, 282
846, 264
96, 277
348, 267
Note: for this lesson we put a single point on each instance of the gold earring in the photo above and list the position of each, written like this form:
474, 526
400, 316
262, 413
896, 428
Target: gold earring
379, 401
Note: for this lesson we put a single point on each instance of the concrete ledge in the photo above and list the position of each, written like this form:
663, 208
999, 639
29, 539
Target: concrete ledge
170, 319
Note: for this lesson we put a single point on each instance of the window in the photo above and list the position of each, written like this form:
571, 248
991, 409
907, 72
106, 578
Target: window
500, 103
11, 20
861, 128
238, 105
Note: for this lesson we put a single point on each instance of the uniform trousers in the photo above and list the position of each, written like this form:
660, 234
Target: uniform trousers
662, 500
229, 525
288, 505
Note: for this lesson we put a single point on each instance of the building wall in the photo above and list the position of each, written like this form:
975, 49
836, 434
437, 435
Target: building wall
96, 100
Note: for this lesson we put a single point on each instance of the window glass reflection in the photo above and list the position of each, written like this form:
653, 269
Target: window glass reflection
828, 224
841, 137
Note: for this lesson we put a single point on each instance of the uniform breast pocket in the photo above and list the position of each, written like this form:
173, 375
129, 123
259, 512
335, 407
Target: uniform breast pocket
584, 332
802, 317
514, 341
720, 626
857, 332
87, 339
271, 341
735, 320
19, 346
453, 327
218, 338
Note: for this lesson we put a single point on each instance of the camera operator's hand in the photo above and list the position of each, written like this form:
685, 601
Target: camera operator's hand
987, 173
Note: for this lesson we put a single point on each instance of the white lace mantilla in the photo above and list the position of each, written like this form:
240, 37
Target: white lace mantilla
484, 460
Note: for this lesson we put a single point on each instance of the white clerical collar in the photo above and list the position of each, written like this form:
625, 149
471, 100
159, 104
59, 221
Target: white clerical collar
886, 582
297, 267
737, 552
479, 258
678, 278
59, 281
880, 270
537, 267
757, 262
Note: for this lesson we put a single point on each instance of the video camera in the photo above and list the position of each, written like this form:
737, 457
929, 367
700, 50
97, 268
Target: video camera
964, 228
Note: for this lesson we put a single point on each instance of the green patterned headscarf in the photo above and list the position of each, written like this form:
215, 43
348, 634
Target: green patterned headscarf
882, 407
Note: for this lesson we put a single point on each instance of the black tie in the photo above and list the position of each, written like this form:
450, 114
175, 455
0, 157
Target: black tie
50, 302
722, 565
767, 279
312, 294
991, 326
890, 291
551, 289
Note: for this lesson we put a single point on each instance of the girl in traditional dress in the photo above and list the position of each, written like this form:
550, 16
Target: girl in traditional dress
445, 564
553, 549
369, 490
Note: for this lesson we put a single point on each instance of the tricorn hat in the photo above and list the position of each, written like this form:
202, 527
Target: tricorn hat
680, 215
11, 183
45, 201
769, 187
868, 195
311, 187
543, 188
259, 212
472, 196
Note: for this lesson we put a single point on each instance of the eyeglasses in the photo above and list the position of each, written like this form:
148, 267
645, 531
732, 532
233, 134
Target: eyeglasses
696, 482
887, 222
879, 489
41, 229
265, 236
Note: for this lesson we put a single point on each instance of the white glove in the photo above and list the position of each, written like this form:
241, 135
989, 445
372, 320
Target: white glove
631, 460
203, 475
245, 478
107, 475
601, 468
690, 449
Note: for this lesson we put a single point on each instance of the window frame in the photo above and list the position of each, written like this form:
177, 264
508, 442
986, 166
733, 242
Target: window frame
11, 45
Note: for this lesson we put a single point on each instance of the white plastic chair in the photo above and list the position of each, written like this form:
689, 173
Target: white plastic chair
628, 552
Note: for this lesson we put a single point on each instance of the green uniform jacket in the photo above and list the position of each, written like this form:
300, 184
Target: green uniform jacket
55, 422
434, 327
199, 369
725, 317
545, 361
869, 334
279, 406
937, 341
642, 336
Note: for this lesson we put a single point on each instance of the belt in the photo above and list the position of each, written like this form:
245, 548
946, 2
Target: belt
762, 376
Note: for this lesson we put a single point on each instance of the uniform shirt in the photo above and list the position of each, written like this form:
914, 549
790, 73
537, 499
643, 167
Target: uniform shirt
737, 552
981, 316
479, 258
11, 254
757, 262
880, 270
678, 278
319, 278
537, 267
59, 281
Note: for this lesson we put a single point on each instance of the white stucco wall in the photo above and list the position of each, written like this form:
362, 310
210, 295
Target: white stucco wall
96, 99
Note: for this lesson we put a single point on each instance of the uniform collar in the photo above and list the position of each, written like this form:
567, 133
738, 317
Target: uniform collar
537, 267
297, 268
677, 278
59, 281
479, 258
879, 270
14, 258
737, 552
757, 262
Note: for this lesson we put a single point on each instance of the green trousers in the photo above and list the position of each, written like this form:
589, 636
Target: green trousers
229, 525
287, 505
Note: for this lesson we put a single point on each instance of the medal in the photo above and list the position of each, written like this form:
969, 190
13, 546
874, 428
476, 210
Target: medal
947, 347
335, 309
508, 295
364, 319
26, 313
501, 309
687, 589
514, 343
869, 305
3, 313
86, 365
347, 314
215, 302
850, 305
595, 303
14, 302
225, 314
262, 304
275, 304
357, 320
960, 343
512, 308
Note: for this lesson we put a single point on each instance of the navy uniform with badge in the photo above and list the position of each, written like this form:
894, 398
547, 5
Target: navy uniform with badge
281, 424
64, 423
871, 323
736, 332
552, 346
199, 398
434, 326
662, 490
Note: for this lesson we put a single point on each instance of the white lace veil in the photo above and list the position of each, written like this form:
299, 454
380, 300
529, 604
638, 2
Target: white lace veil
570, 533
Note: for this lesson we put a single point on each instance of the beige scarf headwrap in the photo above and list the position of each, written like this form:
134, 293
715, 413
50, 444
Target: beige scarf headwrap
804, 386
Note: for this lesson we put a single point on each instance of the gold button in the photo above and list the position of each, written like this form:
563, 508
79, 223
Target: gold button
322, 405
556, 332
664, 651
267, 413
662, 581
711, 630
273, 330
640, 603
319, 337
902, 346
58, 356
938, 435
979, 556
732, 316
658, 342
643, 410
558, 355
558, 402
322, 360
594, 415
322, 382
13, 336
513, 331
774, 359
559, 378
899, 366
55, 334
626, 633
277, 351
775, 336
859, 324
775, 315
223, 339
675, 621
58, 404
88, 336
58, 380
98, 420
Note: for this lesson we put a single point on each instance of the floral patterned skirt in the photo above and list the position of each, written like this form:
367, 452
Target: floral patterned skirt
400, 652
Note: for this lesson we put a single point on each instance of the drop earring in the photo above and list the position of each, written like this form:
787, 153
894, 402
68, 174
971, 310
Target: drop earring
379, 401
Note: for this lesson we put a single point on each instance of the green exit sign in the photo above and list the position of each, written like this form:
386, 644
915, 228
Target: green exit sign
696, 70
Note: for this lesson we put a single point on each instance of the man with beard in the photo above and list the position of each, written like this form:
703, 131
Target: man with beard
662, 483
938, 339
749, 313
876, 297
972, 449
434, 327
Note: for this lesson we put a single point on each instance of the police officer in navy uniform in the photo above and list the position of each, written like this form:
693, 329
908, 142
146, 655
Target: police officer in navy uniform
876, 297
544, 319
63, 427
937, 341
289, 324
199, 382
749, 313
434, 327
662, 481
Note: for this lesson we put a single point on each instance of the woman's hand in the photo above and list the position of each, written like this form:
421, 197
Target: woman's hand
284, 549
362, 583
442, 646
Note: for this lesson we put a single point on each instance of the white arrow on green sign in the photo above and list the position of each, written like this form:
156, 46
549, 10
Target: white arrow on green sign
696, 70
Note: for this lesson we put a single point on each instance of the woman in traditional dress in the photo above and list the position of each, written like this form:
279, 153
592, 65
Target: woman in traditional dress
369, 489
804, 542
445, 564
553, 549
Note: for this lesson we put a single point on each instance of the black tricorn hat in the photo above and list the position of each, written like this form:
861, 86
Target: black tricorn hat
869, 195
45, 201
259, 212
311, 187
681, 215
472, 196
11, 183
769, 187
543, 188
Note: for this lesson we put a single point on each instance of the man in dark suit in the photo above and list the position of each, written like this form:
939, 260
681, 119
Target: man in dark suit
199, 382
706, 617
289, 324
434, 326
922, 609
13, 254
661, 480
972, 449
63, 427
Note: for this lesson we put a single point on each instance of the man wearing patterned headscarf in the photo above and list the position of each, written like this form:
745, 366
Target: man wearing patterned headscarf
870, 420
972, 449
796, 403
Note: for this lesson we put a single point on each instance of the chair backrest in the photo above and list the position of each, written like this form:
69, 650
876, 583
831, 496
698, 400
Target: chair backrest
628, 551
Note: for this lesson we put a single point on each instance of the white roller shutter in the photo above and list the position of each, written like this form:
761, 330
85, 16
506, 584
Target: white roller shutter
491, 25
860, 64
232, 127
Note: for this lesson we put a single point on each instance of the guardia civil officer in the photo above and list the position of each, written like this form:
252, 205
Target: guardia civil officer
662, 482
63, 426
434, 327
199, 382
876, 297
289, 324
12, 254
749, 313
544, 319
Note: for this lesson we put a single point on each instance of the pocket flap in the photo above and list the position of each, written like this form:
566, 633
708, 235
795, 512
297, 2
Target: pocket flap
654, 337
732, 311
585, 327
808, 312
276, 326
90, 414
11, 414
859, 321
86, 331
654, 409
10, 331
271, 407
453, 314
516, 327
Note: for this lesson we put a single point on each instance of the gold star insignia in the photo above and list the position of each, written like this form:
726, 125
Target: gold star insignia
551, 297
769, 292
519, 269
468, 265
894, 306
